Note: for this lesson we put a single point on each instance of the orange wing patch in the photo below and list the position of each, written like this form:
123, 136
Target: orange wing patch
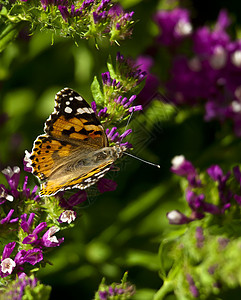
75, 128
45, 153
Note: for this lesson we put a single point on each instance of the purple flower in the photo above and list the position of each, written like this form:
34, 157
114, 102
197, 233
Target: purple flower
32, 256
77, 198
99, 16
108, 81
7, 264
126, 68
216, 173
175, 217
115, 10
8, 249
87, 4
114, 136
5, 195
45, 3
7, 219
106, 185
12, 175
33, 237
68, 216
26, 224
94, 107
184, 168
174, 26
49, 239
64, 12
103, 113
199, 206
27, 193
74, 200
103, 295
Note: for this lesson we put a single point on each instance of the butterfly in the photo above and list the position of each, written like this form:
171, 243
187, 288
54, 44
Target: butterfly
74, 151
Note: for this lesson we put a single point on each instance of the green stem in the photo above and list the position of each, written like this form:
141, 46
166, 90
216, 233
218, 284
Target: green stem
166, 288
8, 33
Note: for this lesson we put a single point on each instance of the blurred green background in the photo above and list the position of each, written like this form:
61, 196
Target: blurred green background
121, 230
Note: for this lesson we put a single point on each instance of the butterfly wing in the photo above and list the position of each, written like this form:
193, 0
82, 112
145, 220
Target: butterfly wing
72, 132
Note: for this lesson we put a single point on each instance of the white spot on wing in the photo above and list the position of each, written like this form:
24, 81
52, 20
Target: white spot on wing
80, 110
68, 110
79, 98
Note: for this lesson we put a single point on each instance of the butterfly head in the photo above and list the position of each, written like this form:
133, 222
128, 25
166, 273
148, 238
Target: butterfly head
119, 149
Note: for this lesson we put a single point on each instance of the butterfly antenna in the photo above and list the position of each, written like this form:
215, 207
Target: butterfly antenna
129, 119
145, 161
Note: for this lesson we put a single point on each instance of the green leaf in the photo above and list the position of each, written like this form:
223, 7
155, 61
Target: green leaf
8, 34
96, 91
111, 68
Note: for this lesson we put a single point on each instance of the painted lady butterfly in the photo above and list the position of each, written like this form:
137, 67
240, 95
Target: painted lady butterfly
74, 151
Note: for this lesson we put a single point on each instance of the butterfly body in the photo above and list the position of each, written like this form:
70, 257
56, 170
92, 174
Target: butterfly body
74, 151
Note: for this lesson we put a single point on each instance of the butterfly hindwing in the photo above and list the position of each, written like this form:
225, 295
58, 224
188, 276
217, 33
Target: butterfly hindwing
82, 181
